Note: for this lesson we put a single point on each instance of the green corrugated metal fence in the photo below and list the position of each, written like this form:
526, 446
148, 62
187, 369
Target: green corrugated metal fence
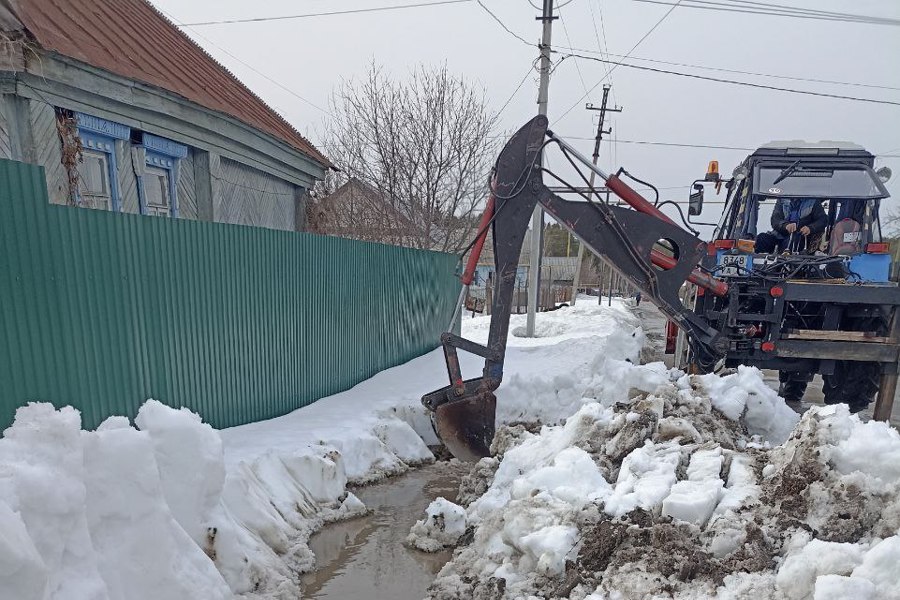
102, 311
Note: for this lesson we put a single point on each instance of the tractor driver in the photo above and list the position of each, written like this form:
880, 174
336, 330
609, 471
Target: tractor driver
795, 222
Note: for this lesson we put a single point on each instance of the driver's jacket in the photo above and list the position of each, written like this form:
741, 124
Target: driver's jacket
802, 211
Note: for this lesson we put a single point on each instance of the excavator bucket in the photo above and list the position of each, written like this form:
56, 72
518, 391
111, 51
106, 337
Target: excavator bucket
466, 425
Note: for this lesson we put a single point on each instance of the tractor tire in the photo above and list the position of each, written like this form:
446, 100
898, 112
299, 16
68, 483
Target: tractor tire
852, 383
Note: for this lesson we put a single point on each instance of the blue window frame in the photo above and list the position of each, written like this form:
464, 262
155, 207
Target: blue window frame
98, 184
158, 187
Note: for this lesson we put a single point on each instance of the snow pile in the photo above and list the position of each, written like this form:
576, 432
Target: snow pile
695, 489
89, 515
442, 526
127, 514
745, 395
546, 378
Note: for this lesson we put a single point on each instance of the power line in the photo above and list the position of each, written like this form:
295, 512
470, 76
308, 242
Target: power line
735, 82
518, 87
800, 9
323, 14
627, 54
759, 8
247, 65
602, 47
735, 71
503, 25
700, 146
669, 144
569, 40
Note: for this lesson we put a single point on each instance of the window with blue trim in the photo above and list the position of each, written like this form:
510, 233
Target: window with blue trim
158, 189
97, 182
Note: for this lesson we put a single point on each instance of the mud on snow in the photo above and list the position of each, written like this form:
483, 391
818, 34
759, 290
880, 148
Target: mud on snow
698, 489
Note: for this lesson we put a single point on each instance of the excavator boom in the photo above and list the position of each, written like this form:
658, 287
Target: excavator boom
464, 411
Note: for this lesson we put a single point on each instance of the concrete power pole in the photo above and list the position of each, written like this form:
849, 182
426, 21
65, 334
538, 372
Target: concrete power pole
599, 137
537, 220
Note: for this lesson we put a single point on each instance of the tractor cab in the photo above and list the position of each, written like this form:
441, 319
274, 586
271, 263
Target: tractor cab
831, 187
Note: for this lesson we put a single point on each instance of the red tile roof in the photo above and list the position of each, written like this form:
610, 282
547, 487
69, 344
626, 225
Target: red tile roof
132, 39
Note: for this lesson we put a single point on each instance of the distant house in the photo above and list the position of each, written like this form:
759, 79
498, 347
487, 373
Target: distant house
358, 211
127, 114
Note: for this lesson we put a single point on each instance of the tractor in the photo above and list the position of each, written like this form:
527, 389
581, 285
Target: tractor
816, 299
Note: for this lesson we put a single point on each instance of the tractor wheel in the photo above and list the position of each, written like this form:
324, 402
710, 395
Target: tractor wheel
852, 383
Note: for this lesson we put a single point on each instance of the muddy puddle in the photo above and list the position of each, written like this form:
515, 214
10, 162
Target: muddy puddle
366, 558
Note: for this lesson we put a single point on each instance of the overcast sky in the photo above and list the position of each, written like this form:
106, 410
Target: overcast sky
310, 56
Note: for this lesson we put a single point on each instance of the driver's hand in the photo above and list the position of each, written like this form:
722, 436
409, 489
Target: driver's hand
791, 227
805, 230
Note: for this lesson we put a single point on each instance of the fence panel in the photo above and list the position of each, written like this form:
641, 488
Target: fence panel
102, 310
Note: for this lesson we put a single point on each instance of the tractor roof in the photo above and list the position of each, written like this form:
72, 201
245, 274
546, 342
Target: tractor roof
821, 149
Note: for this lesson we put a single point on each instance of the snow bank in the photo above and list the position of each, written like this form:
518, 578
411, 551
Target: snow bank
90, 516
682, 487
142, 552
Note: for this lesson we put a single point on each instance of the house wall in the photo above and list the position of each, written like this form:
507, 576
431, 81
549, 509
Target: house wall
187, 188
215, 188
47, 150
128, 162
245, 196
5, 150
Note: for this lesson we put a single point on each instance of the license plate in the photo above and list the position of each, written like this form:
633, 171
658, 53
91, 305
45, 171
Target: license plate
733, 265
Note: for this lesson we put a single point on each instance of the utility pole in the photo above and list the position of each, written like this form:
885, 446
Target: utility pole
597, 139
537, 219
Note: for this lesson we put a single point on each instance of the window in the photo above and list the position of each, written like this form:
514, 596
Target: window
97, 182
93, 181
158, 185
818, 181
157, 192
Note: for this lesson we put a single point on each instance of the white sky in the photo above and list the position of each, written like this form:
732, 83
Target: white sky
311, 56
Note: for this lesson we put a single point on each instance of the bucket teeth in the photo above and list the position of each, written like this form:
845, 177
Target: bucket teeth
466, 425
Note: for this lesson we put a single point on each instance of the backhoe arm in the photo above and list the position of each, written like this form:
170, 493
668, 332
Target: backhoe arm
464, 411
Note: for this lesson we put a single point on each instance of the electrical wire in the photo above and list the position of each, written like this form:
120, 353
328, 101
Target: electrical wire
601, 46
627, 54
569, 40
323, 14
503, 25
759, 8
518, 87
735, 82
800, 9
541, 7
735, 71
245, 64
668, 144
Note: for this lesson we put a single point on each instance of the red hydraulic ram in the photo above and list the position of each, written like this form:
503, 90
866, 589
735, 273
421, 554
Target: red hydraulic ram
640, 204
469, 274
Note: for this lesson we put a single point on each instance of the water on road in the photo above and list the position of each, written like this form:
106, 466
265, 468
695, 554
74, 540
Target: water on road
366, 558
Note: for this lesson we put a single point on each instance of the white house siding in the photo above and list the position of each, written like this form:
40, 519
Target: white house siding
48, 150
245, 196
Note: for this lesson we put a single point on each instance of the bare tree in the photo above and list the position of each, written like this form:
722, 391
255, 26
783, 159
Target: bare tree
890, 222
414, 159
